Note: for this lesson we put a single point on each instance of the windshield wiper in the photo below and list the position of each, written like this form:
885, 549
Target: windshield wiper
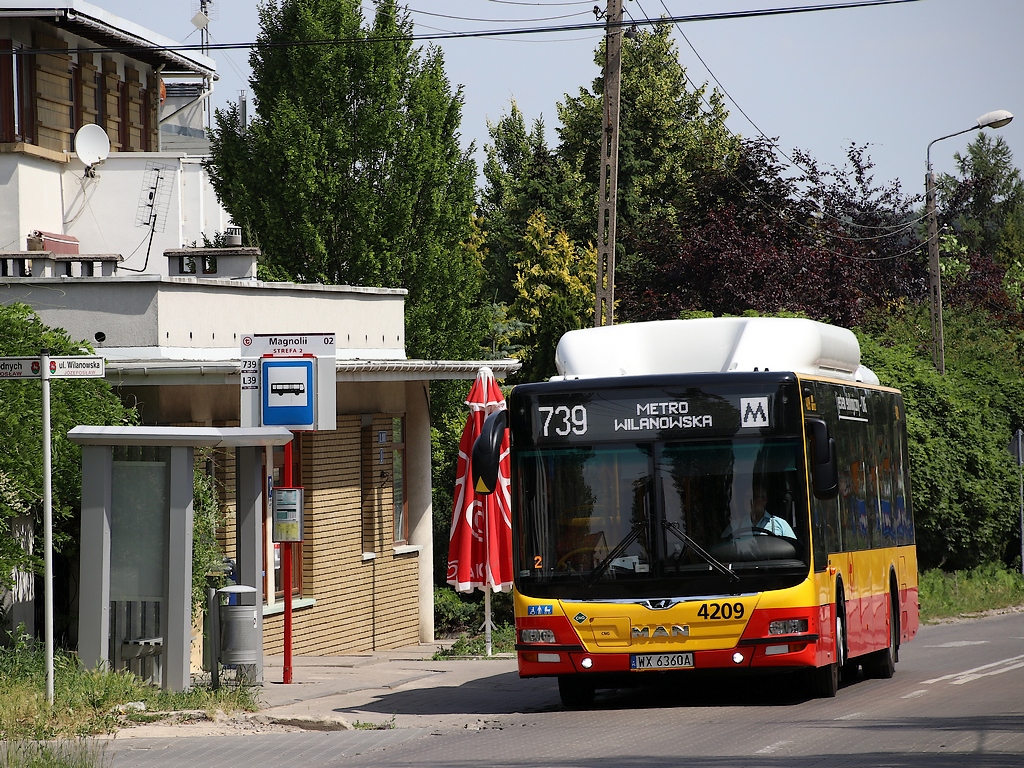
621, 547
673, 528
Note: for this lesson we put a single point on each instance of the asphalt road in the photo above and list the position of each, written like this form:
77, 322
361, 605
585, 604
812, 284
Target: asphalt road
957, 701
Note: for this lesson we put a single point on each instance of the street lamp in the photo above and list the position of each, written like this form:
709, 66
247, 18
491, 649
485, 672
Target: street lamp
996, 119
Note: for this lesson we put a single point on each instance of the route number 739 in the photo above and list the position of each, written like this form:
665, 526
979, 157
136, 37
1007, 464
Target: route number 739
562, 420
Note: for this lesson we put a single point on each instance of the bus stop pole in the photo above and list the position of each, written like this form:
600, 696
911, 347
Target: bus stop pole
44, 371
286, 568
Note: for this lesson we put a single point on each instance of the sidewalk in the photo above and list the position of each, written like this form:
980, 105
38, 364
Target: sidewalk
403, 688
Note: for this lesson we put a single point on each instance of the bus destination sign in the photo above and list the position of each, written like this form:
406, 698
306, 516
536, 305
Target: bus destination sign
608, 415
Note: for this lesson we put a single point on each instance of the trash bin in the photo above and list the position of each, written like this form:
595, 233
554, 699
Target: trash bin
239, 638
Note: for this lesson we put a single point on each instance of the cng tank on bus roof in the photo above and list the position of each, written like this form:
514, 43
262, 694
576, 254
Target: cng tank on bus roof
712, 345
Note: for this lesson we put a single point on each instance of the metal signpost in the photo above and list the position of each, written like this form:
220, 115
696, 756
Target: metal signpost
45, 368
288, 380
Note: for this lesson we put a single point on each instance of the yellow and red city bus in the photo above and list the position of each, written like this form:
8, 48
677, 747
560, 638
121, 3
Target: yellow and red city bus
639, 533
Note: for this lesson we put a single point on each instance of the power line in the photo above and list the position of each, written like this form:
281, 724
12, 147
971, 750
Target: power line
889, 231
773, 143
499, 21
520, 2
588, 27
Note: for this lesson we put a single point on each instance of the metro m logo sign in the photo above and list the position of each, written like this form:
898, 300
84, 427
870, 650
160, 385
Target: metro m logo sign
754, 412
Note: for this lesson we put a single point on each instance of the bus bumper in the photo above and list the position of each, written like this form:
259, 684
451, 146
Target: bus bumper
781, 653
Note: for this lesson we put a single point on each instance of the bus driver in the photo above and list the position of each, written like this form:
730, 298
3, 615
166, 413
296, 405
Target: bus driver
761, 521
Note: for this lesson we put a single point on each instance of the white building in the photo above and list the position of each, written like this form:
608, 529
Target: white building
104, 70
106, 257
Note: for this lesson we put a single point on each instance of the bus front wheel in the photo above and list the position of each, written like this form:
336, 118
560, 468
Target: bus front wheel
882, 664
824, 681
575, 691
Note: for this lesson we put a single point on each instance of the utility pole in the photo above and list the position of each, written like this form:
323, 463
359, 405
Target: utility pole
934, 273
608, 189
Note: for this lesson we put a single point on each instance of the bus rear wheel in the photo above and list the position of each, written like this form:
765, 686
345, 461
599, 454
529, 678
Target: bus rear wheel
575, 691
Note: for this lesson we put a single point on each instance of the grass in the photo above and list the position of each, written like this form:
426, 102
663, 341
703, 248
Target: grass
387, 725
76, 753
969, 593
88, 702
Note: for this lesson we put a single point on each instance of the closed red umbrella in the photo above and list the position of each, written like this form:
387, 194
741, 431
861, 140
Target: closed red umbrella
480, 544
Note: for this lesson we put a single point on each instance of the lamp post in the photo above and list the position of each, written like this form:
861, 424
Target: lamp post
996, 119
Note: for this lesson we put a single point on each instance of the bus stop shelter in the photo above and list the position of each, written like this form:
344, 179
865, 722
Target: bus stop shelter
136, 540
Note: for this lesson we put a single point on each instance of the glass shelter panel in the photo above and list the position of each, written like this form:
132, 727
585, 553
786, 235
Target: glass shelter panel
138, 525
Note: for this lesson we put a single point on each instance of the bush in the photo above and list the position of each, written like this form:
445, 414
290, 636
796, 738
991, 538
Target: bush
503, 640
453, 614
456, 612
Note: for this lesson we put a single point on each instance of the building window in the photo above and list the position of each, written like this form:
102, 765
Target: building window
122, 114
144, 141
398, 484
100, 96
75, 96
22, 64
6, 91
16, 123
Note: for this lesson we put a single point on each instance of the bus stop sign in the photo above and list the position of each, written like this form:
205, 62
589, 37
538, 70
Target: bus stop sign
288, 380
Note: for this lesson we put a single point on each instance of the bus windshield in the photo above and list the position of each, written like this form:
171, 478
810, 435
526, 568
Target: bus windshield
661, 519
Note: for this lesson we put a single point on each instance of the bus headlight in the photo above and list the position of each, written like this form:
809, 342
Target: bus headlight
787, 627
536, 635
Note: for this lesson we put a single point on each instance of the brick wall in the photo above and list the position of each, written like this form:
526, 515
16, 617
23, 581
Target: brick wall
362, 603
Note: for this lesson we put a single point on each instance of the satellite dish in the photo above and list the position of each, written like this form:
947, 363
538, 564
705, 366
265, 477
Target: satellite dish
92, 145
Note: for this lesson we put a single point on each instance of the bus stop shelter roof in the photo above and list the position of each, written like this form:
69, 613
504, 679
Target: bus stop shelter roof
199, 437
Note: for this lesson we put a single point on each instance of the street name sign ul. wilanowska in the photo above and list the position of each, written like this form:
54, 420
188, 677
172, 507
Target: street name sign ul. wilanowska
45, 368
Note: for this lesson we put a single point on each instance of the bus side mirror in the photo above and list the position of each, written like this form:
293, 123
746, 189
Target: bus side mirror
486, 453
824, 471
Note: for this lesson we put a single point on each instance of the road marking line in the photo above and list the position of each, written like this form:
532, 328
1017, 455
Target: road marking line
915, 694
959, 644
985, 670
971, 678
851, 716
773, 747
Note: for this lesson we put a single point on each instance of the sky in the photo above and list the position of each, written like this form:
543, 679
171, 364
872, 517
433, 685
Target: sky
891, 77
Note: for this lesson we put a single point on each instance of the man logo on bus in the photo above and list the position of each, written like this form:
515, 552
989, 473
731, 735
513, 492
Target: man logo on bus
755, 411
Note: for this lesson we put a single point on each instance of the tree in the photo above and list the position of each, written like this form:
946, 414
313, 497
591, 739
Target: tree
988, 196
670, 141
72, 402
555, 288
828, 245
982, 214
351, 171
522, 177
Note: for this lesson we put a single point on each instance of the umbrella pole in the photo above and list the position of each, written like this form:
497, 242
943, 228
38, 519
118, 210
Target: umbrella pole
487, 620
